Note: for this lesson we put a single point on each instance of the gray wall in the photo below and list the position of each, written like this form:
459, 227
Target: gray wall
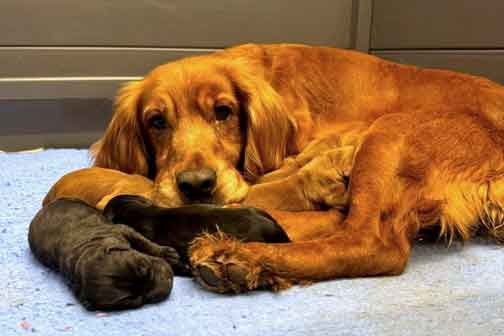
61, 61
462, 35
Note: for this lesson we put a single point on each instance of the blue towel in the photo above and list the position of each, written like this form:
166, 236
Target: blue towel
455, 291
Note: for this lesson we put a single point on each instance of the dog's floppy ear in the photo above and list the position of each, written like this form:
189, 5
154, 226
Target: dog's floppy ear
267, 124
124, 208
122, 146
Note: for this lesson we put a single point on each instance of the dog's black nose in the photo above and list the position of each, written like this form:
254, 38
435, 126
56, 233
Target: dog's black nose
197, 184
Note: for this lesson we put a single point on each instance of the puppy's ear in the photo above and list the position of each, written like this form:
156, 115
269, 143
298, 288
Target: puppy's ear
267, 123
125, 209
122, 146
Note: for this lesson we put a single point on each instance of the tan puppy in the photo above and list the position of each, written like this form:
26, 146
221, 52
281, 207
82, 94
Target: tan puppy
97, 186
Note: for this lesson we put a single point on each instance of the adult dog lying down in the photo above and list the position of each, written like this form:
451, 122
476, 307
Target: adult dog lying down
204, 128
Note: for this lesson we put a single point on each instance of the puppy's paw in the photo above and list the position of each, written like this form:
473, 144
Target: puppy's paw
159, 284
170, 255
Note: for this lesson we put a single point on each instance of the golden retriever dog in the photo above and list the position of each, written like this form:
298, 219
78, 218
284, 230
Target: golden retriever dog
429, 151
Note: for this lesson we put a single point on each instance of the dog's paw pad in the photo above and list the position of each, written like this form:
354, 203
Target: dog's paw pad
237, 274
222, 264
209, 278
216, 279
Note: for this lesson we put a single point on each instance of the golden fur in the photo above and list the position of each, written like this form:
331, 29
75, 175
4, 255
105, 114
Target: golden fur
429, 150
97, 186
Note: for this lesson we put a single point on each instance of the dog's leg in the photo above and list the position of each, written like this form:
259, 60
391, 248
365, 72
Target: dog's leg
222, 264
373, 240
308, 225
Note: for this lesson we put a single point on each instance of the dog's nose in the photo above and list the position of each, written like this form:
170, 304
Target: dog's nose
197, 184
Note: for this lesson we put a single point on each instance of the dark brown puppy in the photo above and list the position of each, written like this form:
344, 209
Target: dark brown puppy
107, 266
177, 227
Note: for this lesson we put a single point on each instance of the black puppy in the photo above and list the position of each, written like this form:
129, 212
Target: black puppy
107, 266
177, 227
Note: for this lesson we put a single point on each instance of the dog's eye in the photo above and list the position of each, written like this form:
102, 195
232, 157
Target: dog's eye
222, 112
158, 122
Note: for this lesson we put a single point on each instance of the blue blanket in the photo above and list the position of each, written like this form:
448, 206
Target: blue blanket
455, 291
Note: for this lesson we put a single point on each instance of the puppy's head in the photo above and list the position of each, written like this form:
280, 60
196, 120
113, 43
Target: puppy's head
200, 127
134, 211
116, 277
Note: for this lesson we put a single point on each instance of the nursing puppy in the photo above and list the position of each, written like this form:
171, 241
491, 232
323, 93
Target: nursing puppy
97, 186
107, 266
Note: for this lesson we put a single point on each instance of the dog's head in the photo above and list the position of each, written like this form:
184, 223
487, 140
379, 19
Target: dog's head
200, 127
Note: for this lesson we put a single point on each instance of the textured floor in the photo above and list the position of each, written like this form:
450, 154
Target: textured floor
456, 291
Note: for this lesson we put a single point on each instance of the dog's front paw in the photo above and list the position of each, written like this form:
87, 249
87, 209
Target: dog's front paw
223, 264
